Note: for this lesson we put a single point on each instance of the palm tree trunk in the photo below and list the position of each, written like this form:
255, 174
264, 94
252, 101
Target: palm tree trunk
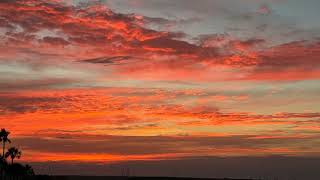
2, 171
3, 146
11, 160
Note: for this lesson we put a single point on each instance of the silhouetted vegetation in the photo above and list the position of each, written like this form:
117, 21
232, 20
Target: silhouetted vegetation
45, 177
13, 153
12, 169
4, 138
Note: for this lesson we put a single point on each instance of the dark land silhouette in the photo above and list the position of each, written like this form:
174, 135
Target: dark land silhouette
44, 177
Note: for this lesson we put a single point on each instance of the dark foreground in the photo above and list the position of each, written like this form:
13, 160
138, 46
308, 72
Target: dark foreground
117, 178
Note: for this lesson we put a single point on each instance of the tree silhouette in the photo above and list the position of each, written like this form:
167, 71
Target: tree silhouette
13, 153
29, 170
4, 139
13, 169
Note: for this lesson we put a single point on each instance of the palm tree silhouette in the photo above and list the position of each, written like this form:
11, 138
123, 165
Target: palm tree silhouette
13, 153
4, 139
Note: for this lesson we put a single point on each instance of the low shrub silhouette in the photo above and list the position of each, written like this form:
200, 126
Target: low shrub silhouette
17, 169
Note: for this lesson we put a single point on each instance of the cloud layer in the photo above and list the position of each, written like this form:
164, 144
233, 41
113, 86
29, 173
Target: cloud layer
100, 84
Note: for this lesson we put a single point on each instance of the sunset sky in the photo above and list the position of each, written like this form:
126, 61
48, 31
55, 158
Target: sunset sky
123, 81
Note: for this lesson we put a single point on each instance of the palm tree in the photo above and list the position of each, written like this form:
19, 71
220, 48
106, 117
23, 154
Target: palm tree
13, 153
4, 139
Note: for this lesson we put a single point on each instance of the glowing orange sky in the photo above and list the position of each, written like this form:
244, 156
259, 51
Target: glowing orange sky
89, 82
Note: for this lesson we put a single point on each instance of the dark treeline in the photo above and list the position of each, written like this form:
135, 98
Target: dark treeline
8, 166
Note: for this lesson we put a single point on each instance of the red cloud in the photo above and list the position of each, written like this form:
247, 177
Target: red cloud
94, 31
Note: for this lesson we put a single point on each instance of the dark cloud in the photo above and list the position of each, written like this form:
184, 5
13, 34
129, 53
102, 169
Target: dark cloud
294, 54
6, 85
109, 60
20, 105
55, 41
66, 142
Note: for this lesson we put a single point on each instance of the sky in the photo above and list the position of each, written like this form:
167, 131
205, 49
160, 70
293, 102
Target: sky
162, 84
